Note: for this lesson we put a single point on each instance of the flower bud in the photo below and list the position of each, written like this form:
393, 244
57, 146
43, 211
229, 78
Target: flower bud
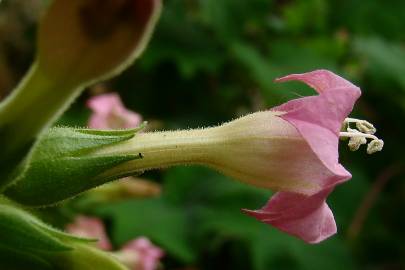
90, 227
108, 112
93, 39
140, 253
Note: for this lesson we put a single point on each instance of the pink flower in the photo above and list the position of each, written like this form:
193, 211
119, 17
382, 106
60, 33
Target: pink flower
89, 227
303, 211
140, 254
110, 113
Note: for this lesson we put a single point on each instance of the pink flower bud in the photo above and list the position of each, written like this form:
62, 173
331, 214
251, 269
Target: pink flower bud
110, 113
89, 227
140, 254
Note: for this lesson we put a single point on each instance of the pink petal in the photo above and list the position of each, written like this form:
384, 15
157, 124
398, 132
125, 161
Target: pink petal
110, 113
319, 118
105, 103
306, 217
89, 227
148, 254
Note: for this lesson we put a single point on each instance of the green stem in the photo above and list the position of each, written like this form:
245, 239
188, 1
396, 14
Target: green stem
36, 102
33, 106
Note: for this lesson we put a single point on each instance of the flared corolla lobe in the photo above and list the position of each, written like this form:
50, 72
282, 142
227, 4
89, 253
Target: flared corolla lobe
306, 217
318, 119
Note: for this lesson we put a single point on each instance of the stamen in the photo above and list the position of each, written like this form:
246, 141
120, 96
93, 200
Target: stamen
362, 125
375, 146
359, 136
355, 142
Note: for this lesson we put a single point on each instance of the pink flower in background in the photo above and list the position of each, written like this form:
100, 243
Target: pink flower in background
89, 227
303, 212
141, 254
110, 113
138, 254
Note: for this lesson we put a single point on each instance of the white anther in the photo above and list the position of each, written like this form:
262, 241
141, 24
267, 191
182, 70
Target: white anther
362, 125
366, 127
375, 146
355, 143
359, 136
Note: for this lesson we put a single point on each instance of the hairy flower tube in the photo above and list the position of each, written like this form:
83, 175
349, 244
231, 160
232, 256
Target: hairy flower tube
292, 149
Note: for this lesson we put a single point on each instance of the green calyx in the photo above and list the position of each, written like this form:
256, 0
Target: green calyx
60, 166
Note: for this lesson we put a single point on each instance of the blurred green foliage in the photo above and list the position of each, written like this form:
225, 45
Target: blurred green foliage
211, 61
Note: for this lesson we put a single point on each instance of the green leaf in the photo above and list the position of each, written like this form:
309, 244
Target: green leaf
383, 58
84, 257
22, 231
157, 219
199, 51
16, 260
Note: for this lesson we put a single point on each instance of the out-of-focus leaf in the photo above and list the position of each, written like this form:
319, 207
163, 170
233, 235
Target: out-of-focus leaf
230, 19
306, 15
177, 30
259, 67
309, 55
16, 260
157, 219
383, 58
